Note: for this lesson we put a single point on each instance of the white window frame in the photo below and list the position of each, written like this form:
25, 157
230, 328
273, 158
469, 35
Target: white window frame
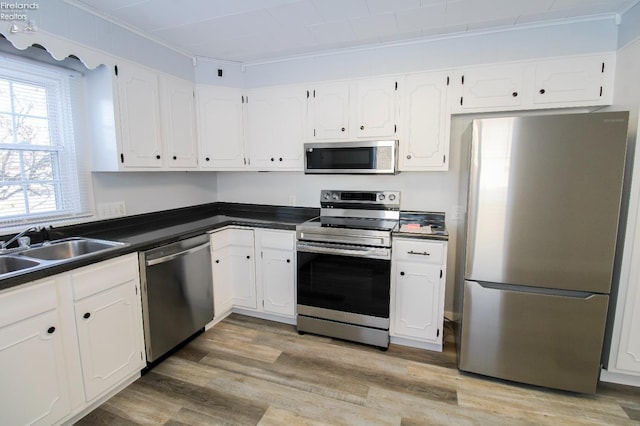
72, 189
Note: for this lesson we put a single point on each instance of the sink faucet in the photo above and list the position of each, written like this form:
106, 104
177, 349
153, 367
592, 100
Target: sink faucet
6, 244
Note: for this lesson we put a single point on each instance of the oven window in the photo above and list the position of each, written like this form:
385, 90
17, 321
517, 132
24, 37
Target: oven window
344, 283
342, 158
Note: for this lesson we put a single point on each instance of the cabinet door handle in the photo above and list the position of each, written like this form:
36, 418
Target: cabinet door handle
542, 91
288, 260
421, 253
158, 157
272, 159
175, 157
217, 260
86, 315
280, 159
206, 159
409, 157
248, 257
514, 94
343, 129
361, 127
402, 273
51, 330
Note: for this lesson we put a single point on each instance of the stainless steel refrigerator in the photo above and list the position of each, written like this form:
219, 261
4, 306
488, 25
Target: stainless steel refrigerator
543, 212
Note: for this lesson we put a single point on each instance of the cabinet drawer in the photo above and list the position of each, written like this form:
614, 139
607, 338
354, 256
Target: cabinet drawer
105, 275
231, 237
419, 251
27, 301
282, 240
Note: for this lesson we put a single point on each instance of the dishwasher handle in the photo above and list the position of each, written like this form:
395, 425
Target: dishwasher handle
172, 256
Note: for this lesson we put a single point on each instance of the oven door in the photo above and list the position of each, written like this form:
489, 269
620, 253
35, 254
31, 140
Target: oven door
345, 278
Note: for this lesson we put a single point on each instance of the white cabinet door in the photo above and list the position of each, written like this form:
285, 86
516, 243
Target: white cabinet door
34, 388
276, 126
139, 117
220, 138
425, 142
234, 265
569, 80
329, 112
179, 125
376, 108
417, 301
222, 280
109, 337
500, 86
277, 271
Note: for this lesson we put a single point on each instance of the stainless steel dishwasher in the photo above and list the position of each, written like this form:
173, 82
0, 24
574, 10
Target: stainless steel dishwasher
177, 293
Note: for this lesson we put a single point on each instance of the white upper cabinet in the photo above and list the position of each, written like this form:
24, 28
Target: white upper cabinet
376, 108
139, 116
556, 83
220, 135
499, 86
275, 127
178, 123
424, 144
361, 109
572, 80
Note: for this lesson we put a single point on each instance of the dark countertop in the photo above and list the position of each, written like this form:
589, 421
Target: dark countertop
434, 219
146, 231
143, 232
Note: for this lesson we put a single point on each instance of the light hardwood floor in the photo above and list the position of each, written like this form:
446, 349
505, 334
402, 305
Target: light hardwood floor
248, 371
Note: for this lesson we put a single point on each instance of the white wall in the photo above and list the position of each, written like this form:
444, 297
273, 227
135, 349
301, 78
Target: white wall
145, 192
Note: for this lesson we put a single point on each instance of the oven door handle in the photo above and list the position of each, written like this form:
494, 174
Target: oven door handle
356, 251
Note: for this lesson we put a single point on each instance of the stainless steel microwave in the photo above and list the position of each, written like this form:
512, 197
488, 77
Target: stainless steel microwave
361, 157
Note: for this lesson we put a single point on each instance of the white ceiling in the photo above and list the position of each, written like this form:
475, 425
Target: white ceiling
257, 30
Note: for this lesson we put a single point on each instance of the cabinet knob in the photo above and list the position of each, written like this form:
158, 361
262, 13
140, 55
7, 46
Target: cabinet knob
361, 127
158, 157
343, 129
206, 159
175, 157
272, 159
402, 273
409, 157
288, 260
542, 91
86, 315
217, 260
280, 159
51, 330
514, 94
248, 257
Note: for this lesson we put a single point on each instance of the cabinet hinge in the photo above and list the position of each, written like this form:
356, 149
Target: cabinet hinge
440, 273
263, 303
314, 133
122, 158
136, 287
438, 333
396, 85
602, 67
307, 94
115, 70
141, 356
462, 79
461, 99
600, 90
444, 159
314, 93
447, 80
395, 128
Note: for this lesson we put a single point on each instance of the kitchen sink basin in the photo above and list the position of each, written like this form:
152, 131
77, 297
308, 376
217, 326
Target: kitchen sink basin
13, 264
69, 248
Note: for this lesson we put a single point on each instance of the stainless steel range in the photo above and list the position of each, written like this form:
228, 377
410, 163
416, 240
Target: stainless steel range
344, 266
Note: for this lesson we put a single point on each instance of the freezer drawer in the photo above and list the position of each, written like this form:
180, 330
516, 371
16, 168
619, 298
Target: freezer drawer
546, 339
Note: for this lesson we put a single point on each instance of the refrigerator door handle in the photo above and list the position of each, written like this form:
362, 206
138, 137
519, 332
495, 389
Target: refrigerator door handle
536, 290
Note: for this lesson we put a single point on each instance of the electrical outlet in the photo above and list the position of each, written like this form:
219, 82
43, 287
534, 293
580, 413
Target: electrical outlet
109, 210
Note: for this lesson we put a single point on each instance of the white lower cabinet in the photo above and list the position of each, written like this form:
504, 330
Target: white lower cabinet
34, 388
108, 318
48, 359
254, 272
417, 292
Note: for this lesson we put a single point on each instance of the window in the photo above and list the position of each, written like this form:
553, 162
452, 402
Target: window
38, 164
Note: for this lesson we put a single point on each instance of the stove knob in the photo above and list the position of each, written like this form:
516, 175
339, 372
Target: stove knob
381, 197
392, 197
327, 195
336, 197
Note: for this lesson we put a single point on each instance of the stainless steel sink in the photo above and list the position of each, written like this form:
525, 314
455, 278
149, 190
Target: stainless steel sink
10, 264
69, 248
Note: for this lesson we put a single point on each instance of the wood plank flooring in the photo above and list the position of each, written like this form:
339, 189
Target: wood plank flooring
247, 371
